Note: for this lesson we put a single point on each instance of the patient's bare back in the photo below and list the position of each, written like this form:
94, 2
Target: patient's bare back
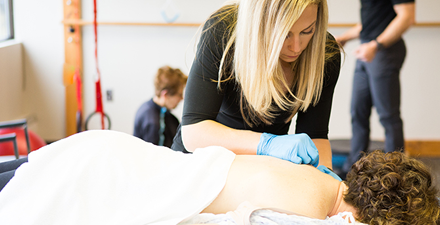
269, 182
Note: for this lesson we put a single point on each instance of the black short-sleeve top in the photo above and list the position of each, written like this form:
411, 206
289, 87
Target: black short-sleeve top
376, 15
204, 101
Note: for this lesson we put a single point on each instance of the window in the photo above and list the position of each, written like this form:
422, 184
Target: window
6, 20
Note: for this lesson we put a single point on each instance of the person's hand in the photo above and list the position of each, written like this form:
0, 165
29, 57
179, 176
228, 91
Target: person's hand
366, 51
326, 170
341, 40
296, 148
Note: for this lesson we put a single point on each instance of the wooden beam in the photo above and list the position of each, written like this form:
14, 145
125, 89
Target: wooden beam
83, 23
424, 24
73, 60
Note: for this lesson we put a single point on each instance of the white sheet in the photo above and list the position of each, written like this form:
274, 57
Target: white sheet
249, 214
268, 217
108, 177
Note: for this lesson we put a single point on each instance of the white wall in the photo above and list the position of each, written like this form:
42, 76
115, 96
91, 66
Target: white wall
38, 27
128, 69
130, 55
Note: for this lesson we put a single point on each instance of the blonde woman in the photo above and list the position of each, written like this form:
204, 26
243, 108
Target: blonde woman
258, 64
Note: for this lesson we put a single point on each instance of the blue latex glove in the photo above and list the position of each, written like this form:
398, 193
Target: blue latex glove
296, 148
326, 170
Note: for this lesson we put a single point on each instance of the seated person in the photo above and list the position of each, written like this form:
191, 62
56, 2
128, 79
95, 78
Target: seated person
381, 188
154, 122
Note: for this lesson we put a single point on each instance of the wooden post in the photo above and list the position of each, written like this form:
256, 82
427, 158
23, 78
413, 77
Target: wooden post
73, 61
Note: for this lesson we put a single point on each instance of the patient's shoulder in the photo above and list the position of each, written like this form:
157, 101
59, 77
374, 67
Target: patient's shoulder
269, 182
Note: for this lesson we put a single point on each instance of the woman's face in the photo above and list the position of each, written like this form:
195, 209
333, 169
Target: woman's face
299, 35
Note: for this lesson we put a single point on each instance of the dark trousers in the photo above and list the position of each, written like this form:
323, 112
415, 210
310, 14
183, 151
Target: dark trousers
7, 170
377, 84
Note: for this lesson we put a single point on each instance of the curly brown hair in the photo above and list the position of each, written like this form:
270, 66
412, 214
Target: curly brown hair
392, 188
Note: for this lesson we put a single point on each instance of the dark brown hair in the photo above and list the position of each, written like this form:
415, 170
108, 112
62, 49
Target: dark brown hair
169, 79
392, 188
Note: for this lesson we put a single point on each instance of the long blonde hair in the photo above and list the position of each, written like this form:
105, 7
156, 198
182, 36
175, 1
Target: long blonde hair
257, 35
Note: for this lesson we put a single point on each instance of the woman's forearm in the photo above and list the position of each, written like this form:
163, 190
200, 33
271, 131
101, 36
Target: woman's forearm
404, 19
211, 133
325, 152
349, 35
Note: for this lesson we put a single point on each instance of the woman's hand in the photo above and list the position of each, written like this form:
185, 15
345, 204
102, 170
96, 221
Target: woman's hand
328, 171
296, 148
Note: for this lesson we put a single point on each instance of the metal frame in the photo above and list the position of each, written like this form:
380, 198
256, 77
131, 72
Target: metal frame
11, 20
12, 136
9, 13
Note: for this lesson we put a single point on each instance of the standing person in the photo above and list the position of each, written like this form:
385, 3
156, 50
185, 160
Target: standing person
154, 122
258, 64
376, 78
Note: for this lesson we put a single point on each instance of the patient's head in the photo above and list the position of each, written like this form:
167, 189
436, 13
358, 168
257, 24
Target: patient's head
392, 188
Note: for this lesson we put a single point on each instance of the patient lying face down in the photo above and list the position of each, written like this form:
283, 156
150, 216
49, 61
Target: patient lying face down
381, 188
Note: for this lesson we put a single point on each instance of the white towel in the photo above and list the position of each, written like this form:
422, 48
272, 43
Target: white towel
247, 213
109, 177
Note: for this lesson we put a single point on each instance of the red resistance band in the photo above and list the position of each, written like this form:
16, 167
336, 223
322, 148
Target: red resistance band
77, 79
99, 106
